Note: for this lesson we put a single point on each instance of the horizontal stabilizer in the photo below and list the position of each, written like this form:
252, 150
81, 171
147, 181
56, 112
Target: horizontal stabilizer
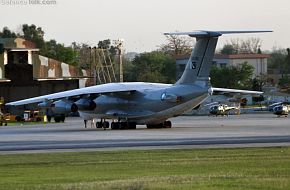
228, 90
200, 33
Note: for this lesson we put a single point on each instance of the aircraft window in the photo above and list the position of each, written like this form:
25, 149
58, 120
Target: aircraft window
163, 96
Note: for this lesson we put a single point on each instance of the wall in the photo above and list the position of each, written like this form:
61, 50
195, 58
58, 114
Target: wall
260, 65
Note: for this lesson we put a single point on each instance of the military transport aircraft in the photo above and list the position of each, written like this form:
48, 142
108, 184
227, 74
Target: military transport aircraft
132, 103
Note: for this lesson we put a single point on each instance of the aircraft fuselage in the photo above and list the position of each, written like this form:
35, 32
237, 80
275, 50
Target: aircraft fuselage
148, 105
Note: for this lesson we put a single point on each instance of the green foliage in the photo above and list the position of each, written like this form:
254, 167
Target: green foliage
247, 46
258, 82
7, 33
284, 82
228, 49
34, 34
50, 49
152, 67
287, 61
106, 44
57, 51
232, 76
280, 60
277, 59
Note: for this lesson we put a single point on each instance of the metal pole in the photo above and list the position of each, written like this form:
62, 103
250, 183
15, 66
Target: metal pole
119, 43
121, 67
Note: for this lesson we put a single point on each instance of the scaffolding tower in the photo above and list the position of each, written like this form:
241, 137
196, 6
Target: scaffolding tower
101, 65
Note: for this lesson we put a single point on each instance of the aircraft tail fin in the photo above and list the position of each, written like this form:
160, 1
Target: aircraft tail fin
199, 64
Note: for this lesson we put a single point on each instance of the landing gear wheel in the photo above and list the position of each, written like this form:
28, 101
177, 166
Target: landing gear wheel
106, 125
124, 125
115, 126
57, 119
62, 118
99, 125
132, 125
167, 124
155, 126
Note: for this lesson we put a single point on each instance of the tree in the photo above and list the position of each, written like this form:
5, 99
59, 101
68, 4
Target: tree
51, 48
7, 33
280, 60
155, 66
277, 59
284, 82
106, 44
232, 76
66, 54
34, 34
177, 45
228, 49
258, 82
248, 46
83, 52
287, 61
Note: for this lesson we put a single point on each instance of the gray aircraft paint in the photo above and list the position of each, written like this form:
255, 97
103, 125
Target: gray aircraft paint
199, 64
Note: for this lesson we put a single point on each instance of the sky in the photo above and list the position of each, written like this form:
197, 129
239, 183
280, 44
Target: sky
141, 23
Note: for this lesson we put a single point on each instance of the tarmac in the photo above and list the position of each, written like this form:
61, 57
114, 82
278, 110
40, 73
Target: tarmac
247, 130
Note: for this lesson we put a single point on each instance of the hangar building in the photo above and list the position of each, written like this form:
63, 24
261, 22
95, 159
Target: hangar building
24, 73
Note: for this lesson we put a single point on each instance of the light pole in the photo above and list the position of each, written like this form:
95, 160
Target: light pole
119, 45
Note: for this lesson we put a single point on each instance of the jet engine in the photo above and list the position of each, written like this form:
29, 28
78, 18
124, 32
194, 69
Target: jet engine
86, 104
63, 107
45, 105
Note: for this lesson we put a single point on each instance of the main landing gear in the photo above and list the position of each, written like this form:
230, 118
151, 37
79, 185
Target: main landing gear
123, 125
103, 124
166, 124
116, 125
128, 125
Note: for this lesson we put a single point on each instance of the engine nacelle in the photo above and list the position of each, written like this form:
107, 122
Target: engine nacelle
86, 104
64, 107
44, 105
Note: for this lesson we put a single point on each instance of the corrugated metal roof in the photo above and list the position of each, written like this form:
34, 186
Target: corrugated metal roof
241, 56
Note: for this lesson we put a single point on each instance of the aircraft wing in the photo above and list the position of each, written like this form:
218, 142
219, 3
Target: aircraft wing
99, 89
109, 88
228, 90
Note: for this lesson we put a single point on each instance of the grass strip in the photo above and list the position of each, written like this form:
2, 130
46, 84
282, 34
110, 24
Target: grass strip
242, 168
